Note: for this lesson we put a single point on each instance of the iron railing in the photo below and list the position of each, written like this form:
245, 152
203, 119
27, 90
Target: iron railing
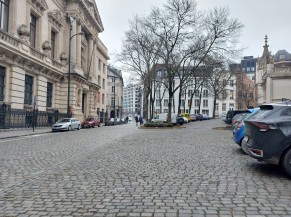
20, 118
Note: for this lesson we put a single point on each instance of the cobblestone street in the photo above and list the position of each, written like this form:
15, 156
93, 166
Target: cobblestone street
125, 171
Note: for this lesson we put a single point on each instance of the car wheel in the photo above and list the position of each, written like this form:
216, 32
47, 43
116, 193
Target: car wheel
79, 127
99, 125
70, 128
286, 163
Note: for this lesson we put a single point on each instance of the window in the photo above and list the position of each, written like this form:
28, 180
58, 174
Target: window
28, 90
166, 102
231, 106
2, 83
231, 94
197, 102
103, 83
49, 94
113, 89
231, 83
32, 30
196, 93
224, 82
112, 101
98, 97
104, 68
223, 107
205, 103
189, 93
183, 103
205, 112
4, 14
224, 94
205, 93
165, 110
158, 103
99, 80
251, 95
103, 98
53, 43
286, 112
99, 64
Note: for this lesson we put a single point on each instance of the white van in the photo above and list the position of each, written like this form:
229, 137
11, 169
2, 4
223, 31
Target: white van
162, 117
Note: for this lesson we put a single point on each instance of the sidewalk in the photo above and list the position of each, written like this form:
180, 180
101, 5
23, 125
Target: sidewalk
12, 133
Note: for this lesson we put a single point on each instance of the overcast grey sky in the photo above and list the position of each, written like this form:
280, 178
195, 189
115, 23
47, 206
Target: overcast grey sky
260, 17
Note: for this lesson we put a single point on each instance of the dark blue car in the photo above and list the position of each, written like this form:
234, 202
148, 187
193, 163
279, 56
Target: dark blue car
239, 127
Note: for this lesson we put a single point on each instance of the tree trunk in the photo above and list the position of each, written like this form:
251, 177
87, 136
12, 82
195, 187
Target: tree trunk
214, 107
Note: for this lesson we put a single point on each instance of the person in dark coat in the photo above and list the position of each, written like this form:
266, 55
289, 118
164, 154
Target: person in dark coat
136, 120
140, 120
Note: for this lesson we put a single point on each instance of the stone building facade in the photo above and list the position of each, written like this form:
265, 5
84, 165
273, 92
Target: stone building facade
34, 56
273, 79
114, 94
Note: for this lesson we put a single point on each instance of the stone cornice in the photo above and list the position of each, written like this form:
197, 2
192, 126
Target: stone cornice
56, 18
38, 5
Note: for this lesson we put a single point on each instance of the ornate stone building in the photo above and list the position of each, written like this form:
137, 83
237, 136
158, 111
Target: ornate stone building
114, 94
273, 79
34, 56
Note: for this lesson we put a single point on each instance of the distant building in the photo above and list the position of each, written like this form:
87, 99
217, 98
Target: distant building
249, 65
132, 100
114, 93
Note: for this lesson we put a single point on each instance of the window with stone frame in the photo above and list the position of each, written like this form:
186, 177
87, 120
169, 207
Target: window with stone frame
32, 38
196, 102
4, 14
53, 44
223, 107
103, 98
49, 94
112, 101
28, 90
205, 103
103, 83
84, 52
2, 83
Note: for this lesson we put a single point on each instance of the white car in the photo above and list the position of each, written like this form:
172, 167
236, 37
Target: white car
66, 124
162, 117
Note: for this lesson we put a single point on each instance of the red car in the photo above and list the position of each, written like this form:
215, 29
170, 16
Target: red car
90, 122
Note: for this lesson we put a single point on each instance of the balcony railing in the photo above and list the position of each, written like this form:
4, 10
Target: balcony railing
9, 39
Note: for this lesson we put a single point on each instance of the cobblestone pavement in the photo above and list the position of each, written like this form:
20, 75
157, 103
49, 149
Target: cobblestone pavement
126, 171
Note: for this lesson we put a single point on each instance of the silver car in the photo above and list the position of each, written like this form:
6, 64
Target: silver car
66, 124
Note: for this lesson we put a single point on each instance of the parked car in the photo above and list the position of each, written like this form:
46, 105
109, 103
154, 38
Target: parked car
110, 122
231, 113
239, 126
205, 117
199, 117
186, 115
90, 122
192, 117
66, 124
237, 117
268, 135
180, 120
162, 117
118, 121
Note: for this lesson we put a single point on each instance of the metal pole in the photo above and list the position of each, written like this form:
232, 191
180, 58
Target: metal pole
69, 74
114, 98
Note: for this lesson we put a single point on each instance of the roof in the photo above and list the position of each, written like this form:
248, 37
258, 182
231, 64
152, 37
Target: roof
282, 55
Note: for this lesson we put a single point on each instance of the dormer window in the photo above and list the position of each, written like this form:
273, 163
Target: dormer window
282, 57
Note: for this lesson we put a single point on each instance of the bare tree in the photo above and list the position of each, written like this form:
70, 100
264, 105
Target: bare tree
138, 57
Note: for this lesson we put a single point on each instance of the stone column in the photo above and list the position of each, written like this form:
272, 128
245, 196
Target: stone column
79, 45
95, 61
90, 57
73, 43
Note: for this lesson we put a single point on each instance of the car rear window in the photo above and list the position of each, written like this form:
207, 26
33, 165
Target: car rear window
286, 112
263, 112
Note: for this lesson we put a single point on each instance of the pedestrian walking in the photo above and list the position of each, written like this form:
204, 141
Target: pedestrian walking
136, 120
140, 120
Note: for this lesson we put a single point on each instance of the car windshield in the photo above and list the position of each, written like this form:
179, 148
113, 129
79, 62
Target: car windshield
89, 119
64, 120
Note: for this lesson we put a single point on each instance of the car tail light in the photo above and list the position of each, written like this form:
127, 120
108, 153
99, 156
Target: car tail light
263, 127
239, 124
256, 152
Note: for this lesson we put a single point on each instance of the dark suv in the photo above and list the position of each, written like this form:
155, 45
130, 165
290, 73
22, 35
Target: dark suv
268, 135
231, 113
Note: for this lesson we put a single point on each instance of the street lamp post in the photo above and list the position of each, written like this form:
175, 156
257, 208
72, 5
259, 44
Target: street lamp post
114, 98
69, 74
